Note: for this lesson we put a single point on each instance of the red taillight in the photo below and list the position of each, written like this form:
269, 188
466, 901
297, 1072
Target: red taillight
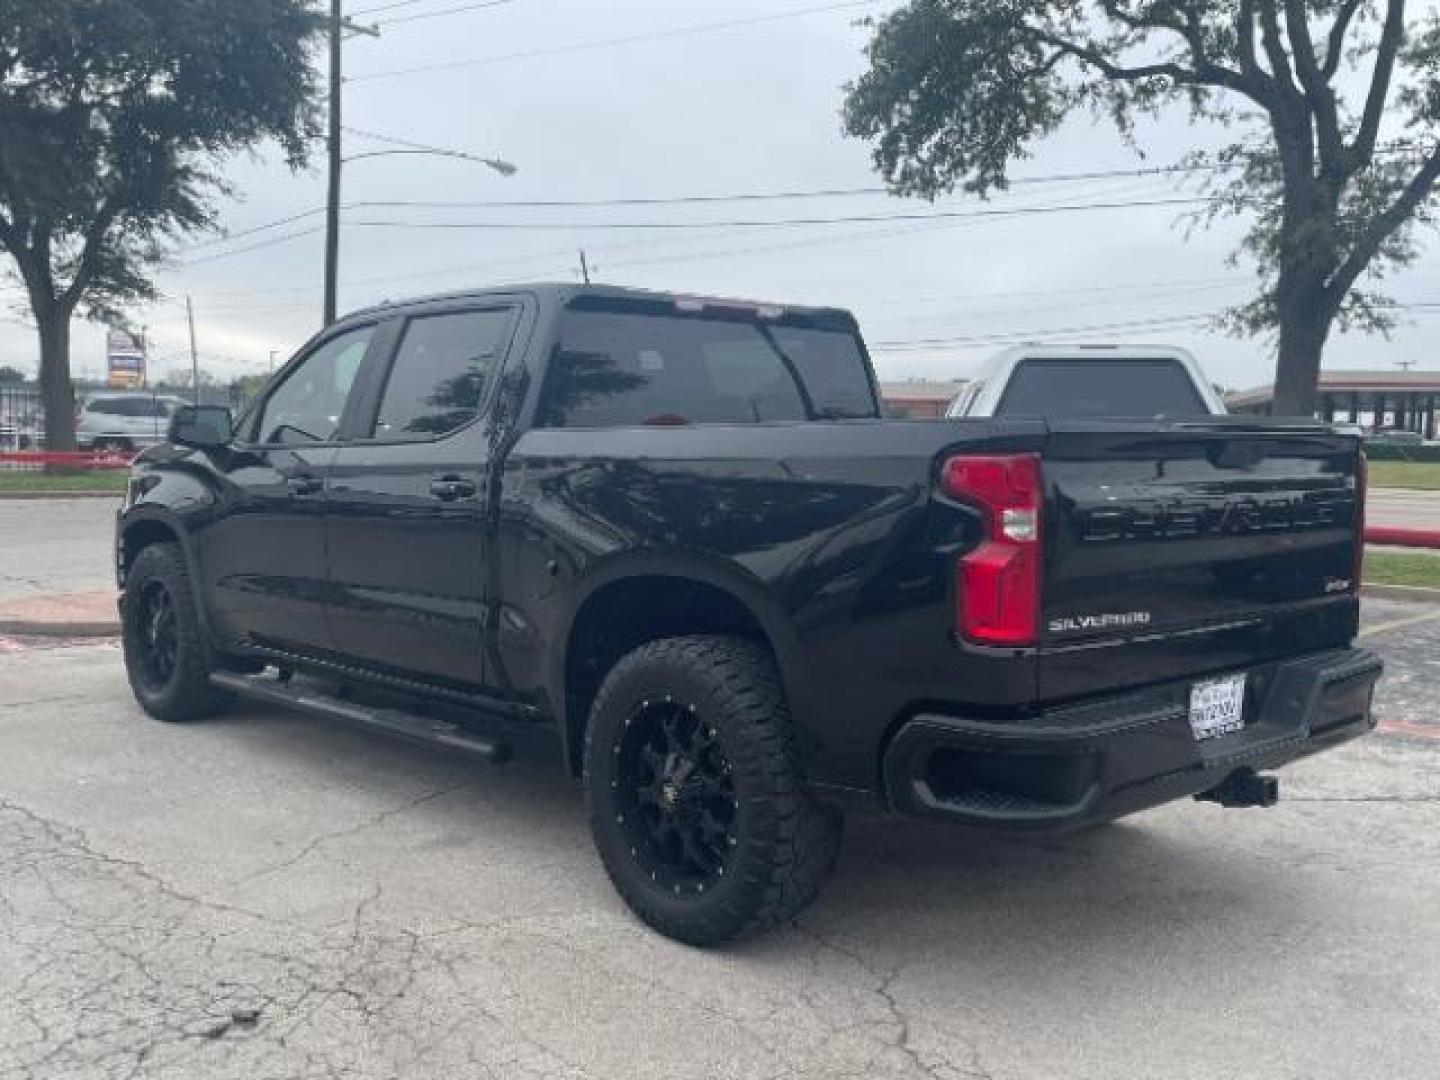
1362, 491
997, 587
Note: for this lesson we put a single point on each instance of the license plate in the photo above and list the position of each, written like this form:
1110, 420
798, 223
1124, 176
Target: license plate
1217, 707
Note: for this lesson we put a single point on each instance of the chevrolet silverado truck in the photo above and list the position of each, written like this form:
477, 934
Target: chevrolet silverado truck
674, 536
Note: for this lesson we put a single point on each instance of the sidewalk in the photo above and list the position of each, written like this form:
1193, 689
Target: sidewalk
87, 613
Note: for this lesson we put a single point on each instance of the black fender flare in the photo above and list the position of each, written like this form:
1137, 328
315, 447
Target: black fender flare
704, 568
147, 513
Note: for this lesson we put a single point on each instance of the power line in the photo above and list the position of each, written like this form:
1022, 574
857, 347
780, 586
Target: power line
443, 12
251, 231
852, 219
255, 247
922, 344
512, 226
671, 200
608, 43
740, 197
386, 7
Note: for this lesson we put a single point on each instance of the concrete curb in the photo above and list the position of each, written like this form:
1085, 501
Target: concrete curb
21, 496
1394, 536
1413, 593
35, 628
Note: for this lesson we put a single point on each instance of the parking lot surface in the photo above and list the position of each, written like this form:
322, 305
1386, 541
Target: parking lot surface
266, 895
55, 545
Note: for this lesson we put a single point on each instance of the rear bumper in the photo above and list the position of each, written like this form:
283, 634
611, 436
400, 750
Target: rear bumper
1075, 766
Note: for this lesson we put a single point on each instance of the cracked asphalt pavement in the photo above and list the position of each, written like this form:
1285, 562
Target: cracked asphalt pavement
269, 896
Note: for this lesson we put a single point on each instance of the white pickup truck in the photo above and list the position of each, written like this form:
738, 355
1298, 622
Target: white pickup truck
1090, 381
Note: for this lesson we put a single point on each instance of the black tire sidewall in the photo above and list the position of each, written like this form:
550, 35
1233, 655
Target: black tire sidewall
731, 905
188, 694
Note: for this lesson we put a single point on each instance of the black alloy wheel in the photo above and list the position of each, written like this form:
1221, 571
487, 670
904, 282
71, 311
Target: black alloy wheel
158, 646
677, 794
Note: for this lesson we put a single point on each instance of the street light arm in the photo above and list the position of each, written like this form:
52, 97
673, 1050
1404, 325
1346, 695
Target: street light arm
504, 168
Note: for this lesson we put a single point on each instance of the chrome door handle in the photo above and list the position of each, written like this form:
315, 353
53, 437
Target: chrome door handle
451, 488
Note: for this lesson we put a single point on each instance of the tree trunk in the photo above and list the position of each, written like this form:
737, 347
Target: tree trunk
57, 392
1305, 320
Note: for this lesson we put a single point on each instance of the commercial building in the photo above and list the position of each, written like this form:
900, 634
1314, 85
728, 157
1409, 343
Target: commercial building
1408, 400
919, 399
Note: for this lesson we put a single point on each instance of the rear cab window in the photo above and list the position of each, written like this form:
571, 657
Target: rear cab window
628, 363
442, 371
1101, 388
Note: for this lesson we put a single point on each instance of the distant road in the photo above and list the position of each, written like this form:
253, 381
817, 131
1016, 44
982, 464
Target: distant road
1404, 509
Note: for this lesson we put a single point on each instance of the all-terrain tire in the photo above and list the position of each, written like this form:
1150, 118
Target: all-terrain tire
783, 844
166, 657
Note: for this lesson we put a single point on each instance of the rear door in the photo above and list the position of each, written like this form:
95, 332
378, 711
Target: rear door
1173, 549
408, 507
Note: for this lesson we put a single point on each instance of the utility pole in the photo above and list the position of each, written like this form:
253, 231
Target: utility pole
338, 26
584, 267
332, 200
194, 352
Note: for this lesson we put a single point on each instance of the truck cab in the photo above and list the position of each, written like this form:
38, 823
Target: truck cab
1090, 380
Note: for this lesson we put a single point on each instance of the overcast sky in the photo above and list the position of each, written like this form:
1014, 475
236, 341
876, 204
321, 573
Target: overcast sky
745, 109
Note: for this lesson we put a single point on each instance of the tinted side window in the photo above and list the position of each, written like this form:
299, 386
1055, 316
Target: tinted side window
621, 368
441, 371
108, 407
1100, 388
308, 405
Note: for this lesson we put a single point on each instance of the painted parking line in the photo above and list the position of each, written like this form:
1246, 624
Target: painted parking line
1398, 624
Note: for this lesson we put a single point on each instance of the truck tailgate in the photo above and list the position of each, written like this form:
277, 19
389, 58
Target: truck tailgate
1180, 548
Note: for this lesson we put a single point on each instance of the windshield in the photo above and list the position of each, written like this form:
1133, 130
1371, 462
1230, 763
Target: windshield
1100, 388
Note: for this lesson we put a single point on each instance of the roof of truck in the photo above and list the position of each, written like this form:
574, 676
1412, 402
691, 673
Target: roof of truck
563, 292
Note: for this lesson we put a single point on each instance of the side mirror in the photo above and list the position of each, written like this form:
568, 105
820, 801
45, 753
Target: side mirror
201, 427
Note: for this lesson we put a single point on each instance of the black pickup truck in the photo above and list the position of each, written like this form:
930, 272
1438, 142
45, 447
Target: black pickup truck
676, 533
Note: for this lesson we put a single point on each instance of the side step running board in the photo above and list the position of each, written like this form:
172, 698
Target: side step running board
403, 725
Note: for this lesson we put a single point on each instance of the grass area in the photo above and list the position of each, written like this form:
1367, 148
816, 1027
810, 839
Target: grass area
37, 480
1401, 568
1420, 475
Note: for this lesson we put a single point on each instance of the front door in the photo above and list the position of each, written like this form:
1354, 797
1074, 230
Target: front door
263, 551
407, 506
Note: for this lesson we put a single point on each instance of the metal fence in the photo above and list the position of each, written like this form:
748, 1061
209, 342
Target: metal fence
22, 420
107, 437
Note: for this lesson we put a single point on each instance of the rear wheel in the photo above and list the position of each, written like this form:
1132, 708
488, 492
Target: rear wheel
165, 654
695, 800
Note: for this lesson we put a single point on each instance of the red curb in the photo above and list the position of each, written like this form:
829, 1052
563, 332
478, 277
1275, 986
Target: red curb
1389, 534
75, 614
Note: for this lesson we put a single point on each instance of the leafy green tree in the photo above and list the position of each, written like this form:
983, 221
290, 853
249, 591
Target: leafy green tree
115, 119
1335, 106
10, 376
247, 387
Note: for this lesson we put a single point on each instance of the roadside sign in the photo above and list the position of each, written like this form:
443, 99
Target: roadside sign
124, 359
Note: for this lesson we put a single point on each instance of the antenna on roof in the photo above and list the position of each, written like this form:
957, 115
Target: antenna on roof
1405, 365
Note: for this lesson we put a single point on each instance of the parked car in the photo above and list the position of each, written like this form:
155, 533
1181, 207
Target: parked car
676, 535
1090, 380
121, 421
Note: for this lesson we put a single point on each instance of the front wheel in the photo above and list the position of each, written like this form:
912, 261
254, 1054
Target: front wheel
695, 800
165, 654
